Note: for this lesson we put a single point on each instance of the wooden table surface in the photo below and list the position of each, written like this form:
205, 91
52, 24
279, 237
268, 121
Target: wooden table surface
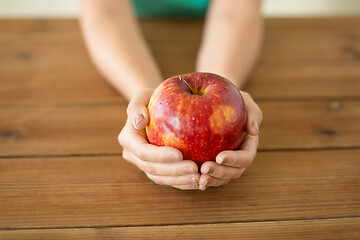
62, 175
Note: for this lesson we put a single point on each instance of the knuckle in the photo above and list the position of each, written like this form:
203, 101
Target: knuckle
129, 108
260, 112
157, 180
149, 169
121, 138
140, 153
150, 177
125, 155
123, 135
132, 104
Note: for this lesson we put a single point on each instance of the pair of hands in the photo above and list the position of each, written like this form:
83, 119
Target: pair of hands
166, 166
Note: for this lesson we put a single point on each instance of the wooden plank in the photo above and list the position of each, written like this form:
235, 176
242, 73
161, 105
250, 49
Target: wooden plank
45, 61
292, 125
290, 39
344, 228
46, 86
330, 39
93, 129
52, 86
329, 81
44, 55
80, 85
107, 191
59, 130
287, 41
35, 29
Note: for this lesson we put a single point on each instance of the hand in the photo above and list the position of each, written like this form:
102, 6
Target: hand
231, 164
163, 165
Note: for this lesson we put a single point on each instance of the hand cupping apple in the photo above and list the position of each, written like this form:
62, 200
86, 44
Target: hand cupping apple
175, 133
200, 114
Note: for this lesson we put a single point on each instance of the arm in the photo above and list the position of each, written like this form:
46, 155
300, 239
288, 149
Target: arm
231, 39
230, 46
121, 54
117, 47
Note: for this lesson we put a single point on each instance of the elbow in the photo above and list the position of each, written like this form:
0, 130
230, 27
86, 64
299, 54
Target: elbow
235, 11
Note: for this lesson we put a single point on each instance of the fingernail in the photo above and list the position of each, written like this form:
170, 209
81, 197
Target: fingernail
189, 169
202, 184
256, 126
193, 180
219, 160
193, 183
139, 118
174, 158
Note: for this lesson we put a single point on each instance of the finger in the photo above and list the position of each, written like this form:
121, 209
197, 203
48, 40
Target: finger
184, 182
137, 109
192, 180
135, 142
186, 187
180, 168
128, 156
241, 158
170, 169
220, 171
254, 114
209, 181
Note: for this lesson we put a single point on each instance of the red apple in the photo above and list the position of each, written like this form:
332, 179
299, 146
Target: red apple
201, 114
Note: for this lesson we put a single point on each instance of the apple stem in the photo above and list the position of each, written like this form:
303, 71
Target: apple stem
181, 79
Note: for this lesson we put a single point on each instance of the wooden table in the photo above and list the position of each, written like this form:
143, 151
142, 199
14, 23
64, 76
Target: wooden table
61, 171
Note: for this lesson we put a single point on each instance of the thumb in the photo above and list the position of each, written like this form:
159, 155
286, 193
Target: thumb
137, 109
254, 115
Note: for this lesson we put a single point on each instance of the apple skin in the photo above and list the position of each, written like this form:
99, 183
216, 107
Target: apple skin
201, 114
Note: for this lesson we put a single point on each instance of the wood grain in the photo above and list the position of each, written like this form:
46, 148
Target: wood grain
61, 130
45, 61
93, 129
61, 171
34, 53
343, 228
81, 85
107, 191
48, 87
311, 40
311, 125
305, 81
333, 39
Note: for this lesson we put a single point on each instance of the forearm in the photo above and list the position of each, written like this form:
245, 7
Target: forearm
231, 40
117, 47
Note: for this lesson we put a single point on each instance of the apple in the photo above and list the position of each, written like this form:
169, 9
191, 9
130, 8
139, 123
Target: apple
201, 114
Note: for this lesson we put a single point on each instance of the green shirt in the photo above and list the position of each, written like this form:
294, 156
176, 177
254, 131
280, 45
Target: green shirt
170, 8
